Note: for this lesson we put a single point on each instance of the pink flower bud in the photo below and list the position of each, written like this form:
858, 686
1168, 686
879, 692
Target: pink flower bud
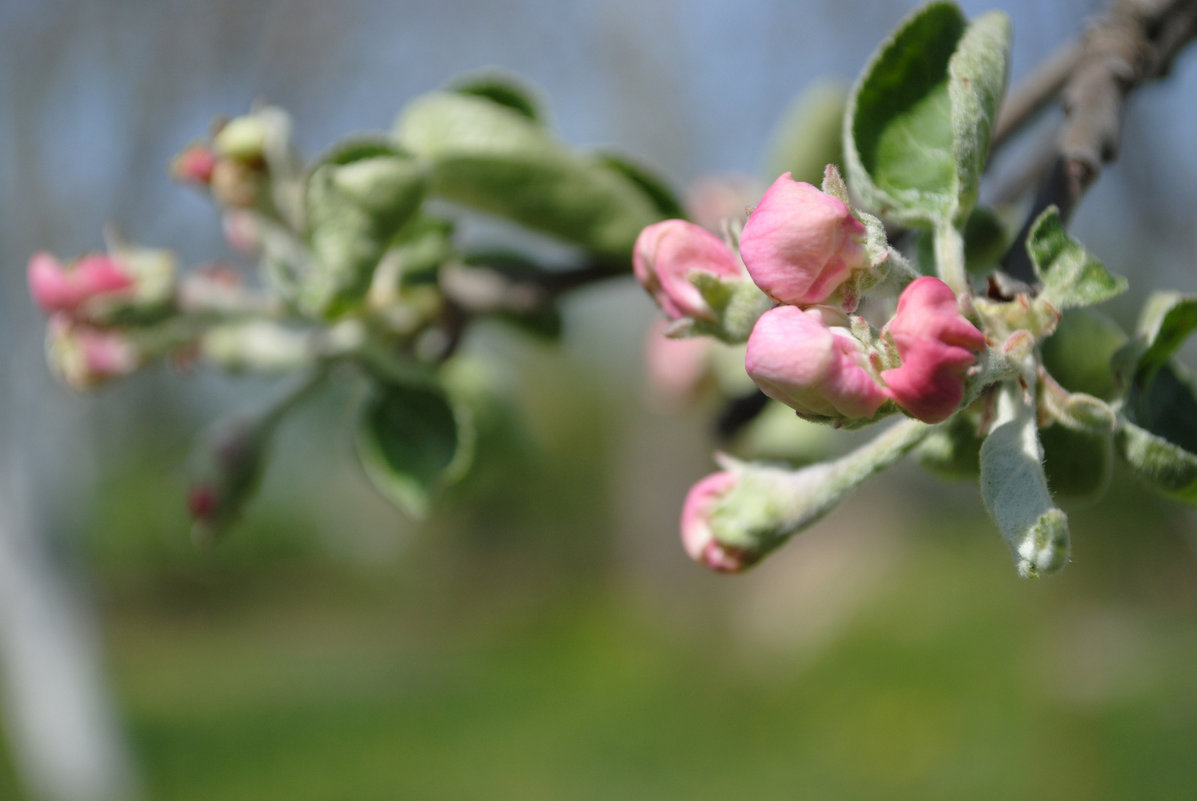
795, 357
668, 253
697, 537
226, 468
84, 356
800, 244
937, 346
58, 288
195, 165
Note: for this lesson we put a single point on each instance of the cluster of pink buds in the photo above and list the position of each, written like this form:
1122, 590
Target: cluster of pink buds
82, 350
71, 288
810, 255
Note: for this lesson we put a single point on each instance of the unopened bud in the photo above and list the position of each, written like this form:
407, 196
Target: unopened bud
697, 536
56, 287
227, 466
801, 244
194, 165
666, 257
820, 371
937, 346
84, 356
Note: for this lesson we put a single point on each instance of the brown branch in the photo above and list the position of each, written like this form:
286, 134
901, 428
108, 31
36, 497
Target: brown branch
1034, 93
1133, 44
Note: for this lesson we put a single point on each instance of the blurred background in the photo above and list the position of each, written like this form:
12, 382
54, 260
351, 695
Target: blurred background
545, 637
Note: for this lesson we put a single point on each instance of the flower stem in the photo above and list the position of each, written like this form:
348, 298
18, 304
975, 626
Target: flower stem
949, 257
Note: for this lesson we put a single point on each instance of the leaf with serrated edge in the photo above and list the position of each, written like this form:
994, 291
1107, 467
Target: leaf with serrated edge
1070, 276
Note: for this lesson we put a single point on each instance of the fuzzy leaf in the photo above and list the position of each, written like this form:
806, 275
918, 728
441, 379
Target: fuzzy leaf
1014, 489
1168, 468
1168, 320
411, 443
1157, 435
917, 129
1070, 276
358, 199
977, 77
494, 159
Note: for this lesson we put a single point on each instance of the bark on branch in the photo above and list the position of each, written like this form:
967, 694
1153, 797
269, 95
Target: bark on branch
1136, 42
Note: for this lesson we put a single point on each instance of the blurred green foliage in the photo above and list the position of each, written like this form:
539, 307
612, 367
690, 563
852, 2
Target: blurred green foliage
513, 649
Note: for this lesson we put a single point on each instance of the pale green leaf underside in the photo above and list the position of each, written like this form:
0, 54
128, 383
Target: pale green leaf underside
357, 201
977, 81
1167, 467
496, 160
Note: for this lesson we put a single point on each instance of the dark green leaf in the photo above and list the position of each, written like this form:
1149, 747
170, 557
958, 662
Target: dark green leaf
503, 89
358, 199
411, 443
898, 133
1070, 276
1158, 436
1079, 353
1167, 406
494, 159
952, 451
1077, 464
919, 119
1168, 321
651, 184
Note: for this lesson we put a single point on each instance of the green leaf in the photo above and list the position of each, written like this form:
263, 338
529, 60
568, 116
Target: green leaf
1166, 406
1078, 464
977, 77
1158, 434
358, 199
493, 159
1168, 319
809, 135
651, 184
985, 240
1168, 468
506, 90
1014, 488
1079, 354
1070, 276
919, 118
412, 442
952, 450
